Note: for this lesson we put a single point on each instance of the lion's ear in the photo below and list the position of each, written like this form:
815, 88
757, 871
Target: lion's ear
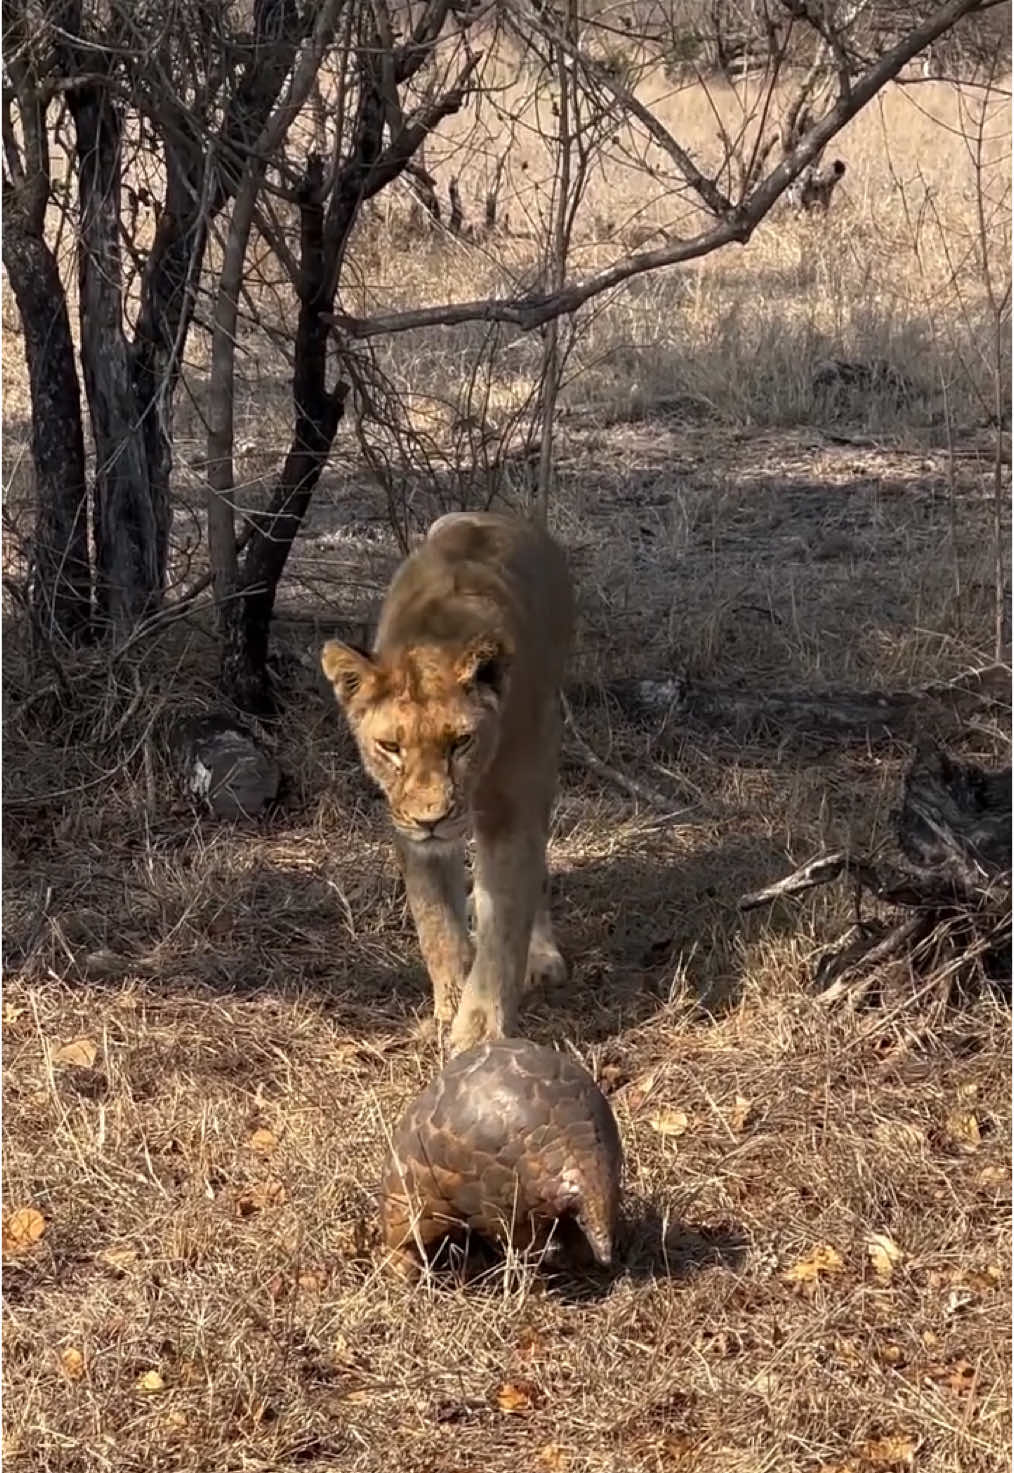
484, 662
347, 668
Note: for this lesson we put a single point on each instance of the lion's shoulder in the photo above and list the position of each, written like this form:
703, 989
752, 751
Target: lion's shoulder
476, 575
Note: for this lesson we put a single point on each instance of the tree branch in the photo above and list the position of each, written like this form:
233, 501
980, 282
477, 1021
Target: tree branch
737, 226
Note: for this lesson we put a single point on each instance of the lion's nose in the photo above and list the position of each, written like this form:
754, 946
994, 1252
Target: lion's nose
434, 813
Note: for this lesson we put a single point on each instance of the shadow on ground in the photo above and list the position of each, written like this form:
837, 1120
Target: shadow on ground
648, 1248
634, 930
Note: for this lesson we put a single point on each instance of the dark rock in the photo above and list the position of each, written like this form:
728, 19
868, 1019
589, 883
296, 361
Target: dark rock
223, 765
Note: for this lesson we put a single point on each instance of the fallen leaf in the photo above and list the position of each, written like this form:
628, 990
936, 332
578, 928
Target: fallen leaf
79, 1053
958, 1376
824, 1259
670, 1122
995, 1177
314, 1281
884, 1254
897, 1450
262, 1194
962, 1128
73, 1363
21, 1229
149, 1383
119, 1259
554, 1457
341, 1355
636, 1093
957, 1300
982, 1280
901, 1134
516, 1396
262, 1141
741, 1114
891, 1354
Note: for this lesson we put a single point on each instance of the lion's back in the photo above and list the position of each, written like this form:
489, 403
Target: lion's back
483, 573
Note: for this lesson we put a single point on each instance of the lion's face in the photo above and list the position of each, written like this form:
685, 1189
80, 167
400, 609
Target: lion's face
427, 726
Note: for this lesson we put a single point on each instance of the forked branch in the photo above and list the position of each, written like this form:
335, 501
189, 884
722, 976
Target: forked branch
736, 225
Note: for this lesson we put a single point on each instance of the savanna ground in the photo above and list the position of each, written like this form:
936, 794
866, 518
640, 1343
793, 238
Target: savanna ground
209, 1031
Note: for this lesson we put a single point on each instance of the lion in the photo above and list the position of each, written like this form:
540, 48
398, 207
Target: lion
456, 716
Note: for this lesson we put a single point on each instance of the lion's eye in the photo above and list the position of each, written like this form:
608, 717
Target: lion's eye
462, 743
390, 749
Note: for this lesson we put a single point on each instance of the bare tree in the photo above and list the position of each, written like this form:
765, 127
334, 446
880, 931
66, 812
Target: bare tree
203, 90
376, 139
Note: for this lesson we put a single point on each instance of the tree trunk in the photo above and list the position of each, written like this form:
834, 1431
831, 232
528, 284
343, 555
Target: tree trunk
60, 576
168, 286
318, 411
196, 192
129, 574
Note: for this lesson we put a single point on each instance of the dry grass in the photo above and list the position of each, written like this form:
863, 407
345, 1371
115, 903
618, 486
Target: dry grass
236, 980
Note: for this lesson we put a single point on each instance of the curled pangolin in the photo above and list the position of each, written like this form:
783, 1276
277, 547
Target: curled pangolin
510, 1139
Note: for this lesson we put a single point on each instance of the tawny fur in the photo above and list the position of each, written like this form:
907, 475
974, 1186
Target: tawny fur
456, 716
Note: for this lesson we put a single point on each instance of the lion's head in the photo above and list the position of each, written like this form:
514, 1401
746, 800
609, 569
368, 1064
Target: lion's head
427, 722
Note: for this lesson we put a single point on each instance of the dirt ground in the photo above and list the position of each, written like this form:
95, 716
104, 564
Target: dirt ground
209, 1032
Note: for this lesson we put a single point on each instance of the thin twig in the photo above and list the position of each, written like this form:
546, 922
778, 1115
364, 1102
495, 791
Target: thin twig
595, 764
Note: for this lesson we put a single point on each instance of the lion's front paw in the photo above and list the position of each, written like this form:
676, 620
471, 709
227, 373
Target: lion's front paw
470, 1027
546, 966
475, 1022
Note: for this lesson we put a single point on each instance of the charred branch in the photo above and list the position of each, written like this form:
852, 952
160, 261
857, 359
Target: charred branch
954, 831
129, 531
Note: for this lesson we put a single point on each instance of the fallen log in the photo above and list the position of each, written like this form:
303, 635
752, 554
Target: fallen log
952, 889
671, 702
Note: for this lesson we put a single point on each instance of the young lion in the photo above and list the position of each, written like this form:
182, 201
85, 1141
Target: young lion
456, 717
